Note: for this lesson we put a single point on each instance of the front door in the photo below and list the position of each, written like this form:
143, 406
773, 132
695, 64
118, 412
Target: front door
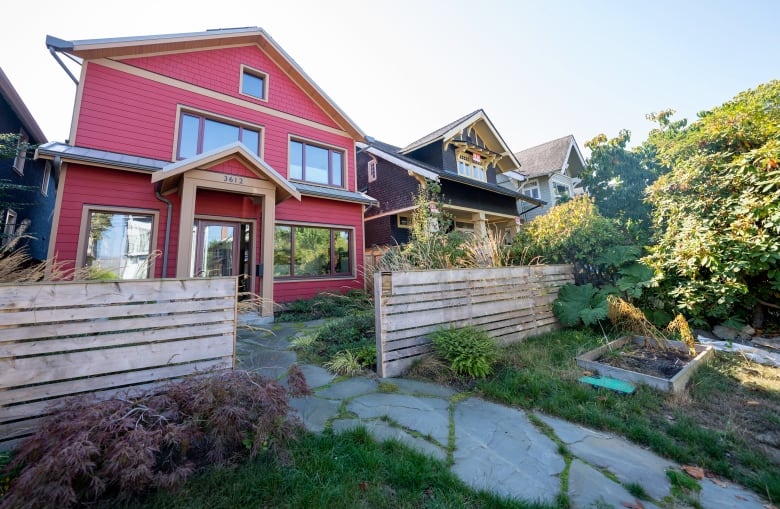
221, 248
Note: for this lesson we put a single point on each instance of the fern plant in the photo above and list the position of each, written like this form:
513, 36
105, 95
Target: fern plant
344, 363
470, 351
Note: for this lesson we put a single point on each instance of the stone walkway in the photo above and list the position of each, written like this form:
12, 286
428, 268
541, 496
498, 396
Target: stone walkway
489, 446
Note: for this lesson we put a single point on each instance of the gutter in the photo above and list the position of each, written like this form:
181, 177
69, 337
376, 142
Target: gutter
168, 203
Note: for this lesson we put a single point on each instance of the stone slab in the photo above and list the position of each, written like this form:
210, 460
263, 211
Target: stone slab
427, 416
316, 376
382, 431
628, 462
728, 496
569, 432
314, 412
498, 449
417, 387
590, 488
349, 388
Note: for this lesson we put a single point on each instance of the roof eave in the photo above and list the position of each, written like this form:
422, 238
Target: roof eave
31, 127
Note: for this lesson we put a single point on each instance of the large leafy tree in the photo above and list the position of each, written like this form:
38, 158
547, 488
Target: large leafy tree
717, 212
616, 178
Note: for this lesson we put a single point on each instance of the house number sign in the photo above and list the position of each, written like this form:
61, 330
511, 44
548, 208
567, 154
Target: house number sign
232, 179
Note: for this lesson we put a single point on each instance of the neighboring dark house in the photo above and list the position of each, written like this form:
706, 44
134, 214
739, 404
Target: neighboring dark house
553, 170
28, 211
477, 172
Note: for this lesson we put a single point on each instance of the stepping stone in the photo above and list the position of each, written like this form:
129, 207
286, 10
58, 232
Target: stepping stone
382, 431
416, 387
427, 416
498, 449
715, 496
590, 488
349, 388
314, 412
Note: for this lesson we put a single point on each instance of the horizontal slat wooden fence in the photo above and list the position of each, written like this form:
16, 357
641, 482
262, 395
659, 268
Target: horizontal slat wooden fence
66, 338
509, 303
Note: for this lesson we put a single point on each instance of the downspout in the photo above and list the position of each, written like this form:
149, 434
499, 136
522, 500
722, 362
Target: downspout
168, 203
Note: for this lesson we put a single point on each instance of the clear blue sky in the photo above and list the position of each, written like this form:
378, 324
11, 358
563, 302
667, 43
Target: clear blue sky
403, 68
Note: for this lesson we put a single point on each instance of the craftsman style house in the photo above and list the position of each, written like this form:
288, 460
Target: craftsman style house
207, 154
479, 176
26, 211
553, 170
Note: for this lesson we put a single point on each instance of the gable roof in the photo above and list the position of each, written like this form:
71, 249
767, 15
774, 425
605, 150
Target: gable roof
122, 47
549, 157
455, 127
14, 100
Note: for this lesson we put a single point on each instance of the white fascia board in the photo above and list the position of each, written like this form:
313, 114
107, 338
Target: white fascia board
402, 164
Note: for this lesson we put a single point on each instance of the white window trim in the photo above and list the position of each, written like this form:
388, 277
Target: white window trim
9, 226
46, 178
554, 183
21, 153
529, 186
467, 167
245, 69
371, 168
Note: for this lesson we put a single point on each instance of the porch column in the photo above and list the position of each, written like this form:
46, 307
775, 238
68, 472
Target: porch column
480, 224
267, 240
186, 221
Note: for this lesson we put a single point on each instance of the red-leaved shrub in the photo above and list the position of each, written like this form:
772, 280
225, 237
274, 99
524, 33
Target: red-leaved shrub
123, 447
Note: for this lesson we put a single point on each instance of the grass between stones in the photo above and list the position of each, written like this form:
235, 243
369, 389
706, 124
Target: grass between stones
726, 422
345, 470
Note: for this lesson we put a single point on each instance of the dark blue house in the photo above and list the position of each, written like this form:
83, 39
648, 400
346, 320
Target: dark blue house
24, 211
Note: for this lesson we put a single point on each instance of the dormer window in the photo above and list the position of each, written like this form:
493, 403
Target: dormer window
471, 165
254, 83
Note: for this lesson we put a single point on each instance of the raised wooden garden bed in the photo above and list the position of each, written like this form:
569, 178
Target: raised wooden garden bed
670, 369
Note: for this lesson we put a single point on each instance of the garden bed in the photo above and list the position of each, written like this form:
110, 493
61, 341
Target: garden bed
631, 359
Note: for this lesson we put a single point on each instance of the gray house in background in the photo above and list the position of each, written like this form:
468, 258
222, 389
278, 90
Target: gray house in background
552, 170
28, 211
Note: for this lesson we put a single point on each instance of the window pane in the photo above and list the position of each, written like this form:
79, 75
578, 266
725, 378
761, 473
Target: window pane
316, 164
251, 139
312, 251
336, 168
341, 241
217, 134
120, 243
253, 85
188, 144
282, 253
296, 160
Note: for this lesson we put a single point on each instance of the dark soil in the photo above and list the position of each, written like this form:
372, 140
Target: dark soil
648, 361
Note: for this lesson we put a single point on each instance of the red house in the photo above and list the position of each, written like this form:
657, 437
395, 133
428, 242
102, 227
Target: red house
207, 154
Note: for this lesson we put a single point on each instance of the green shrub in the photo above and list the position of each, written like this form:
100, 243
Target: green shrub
351, 332
325, 305
344, 363
469, 351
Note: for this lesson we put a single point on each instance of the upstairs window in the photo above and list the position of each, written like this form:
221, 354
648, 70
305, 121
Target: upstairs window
532, 190
372, 170
561, 190
45, 179
470, 165
21, 153
254, 83
198, 134
316, 164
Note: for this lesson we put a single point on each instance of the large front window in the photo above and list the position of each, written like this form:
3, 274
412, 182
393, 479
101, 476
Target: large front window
119, 244
307, 251
198, 134
316, 164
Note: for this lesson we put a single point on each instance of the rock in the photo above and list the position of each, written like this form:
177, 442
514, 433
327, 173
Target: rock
748, 330
726, 333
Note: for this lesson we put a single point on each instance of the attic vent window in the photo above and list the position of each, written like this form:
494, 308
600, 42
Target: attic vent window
254, 83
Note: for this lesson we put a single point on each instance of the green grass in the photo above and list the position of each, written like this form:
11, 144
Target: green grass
712, 426
333, 471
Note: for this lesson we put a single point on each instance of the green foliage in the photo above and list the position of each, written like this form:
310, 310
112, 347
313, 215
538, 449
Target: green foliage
470, 351
344, 363
616, 178
325, 305
717, 213
583, 304
573, 232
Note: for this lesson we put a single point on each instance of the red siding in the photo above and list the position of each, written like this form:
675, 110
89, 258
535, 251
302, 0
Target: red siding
128, 114
199, 68
327, 213
85, 185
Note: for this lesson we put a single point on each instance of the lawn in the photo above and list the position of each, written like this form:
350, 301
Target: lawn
728, 422
333, 471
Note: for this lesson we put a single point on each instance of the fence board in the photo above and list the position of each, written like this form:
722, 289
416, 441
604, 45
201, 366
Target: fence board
509, 303
66, 338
